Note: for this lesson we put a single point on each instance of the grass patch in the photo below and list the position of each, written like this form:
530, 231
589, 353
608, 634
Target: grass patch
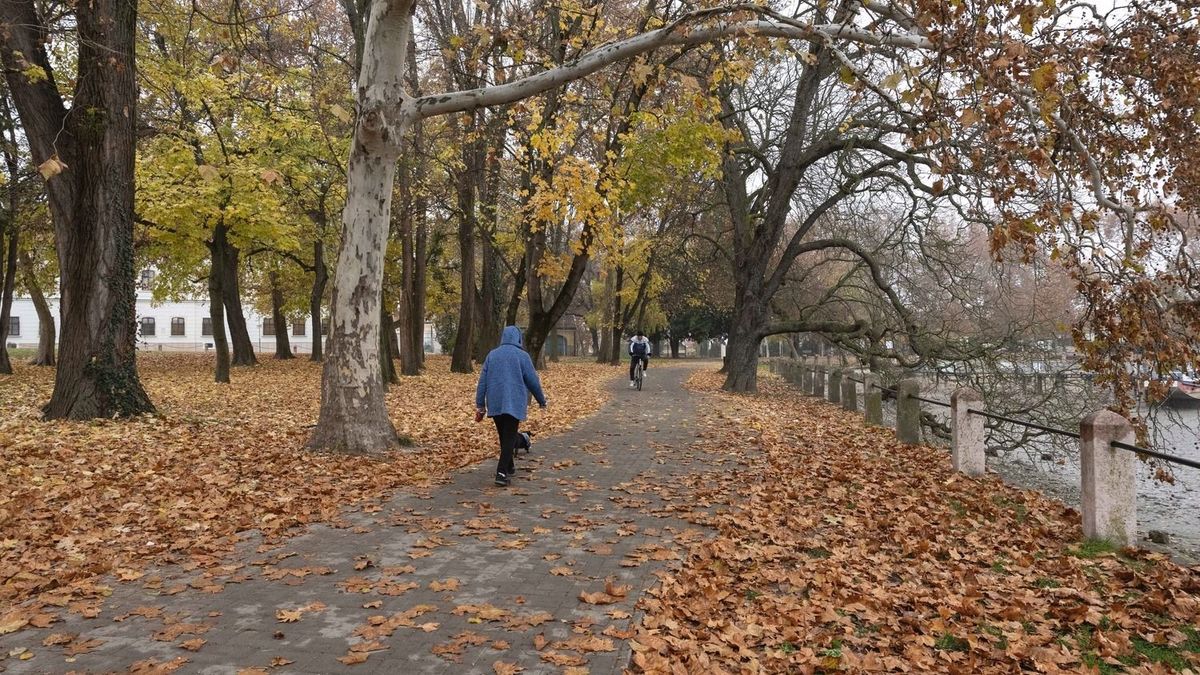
1046, 582
753, 595
1092, 548
947, 642
1167, 655
787, 648
820, 553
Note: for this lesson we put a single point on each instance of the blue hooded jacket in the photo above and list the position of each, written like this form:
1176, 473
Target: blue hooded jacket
508, 377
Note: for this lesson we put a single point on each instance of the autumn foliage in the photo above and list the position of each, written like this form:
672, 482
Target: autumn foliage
83, 499
841, 549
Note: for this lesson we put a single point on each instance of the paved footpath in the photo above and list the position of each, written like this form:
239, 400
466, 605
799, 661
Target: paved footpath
445, 579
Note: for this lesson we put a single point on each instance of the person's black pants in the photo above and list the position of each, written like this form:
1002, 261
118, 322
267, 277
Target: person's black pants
633, 361
506, 429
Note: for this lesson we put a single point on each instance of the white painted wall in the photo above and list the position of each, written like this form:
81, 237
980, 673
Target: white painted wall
193, 313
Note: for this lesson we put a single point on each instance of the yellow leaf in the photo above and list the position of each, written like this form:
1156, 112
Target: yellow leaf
51, 167
340, 113
1045, 76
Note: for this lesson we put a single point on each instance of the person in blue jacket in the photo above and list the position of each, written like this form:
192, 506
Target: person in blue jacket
507, 379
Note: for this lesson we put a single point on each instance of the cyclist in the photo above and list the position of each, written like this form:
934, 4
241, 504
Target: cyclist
639, 350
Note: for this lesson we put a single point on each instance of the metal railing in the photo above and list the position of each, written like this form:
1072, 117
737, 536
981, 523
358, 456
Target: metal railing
1169, 458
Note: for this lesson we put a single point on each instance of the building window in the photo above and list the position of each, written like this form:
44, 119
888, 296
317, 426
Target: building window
178, 326
147, 326
147, 277
298, 327
14, 326
324, 326
206, 326
268, 326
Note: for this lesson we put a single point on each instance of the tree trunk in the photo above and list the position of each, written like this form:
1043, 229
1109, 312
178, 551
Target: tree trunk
320, 278
8, 281
283, 349
614, 343
595, 333
216, 303
464, 342
47, 334
410, 345
91, 200
741, 353
487, 317
354, 416
674, 342
387, 342
239, 332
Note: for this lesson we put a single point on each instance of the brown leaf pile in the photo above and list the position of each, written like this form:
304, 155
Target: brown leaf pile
842, 549
81, 499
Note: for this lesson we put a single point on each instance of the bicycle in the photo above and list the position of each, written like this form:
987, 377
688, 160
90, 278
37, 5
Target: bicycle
637, 374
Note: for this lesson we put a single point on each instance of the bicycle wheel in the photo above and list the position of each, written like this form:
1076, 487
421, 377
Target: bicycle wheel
637, 375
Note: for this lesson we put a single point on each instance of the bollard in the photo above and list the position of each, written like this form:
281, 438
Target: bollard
908, 411
819, 382
835, 385
1109, 488
872, 401
806, 379
849, 393
966, 432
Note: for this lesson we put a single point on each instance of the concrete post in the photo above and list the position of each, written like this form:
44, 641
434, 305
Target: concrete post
966, 432
849, 393
908, 411
872, 401
806, 379
835, 385
819, 382
1109, 488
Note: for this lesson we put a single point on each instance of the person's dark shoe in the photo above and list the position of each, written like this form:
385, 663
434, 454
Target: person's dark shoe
502, 480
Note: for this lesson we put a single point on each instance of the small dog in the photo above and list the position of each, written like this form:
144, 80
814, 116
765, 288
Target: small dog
524, 442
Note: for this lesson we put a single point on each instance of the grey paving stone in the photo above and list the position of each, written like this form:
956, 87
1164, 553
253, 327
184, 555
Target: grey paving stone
578, 489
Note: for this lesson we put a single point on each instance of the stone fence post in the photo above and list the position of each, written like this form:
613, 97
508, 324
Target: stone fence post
819, 382
835, 385
849, 393
908, 411
806, 379
966, 432
872, 400
1109, 488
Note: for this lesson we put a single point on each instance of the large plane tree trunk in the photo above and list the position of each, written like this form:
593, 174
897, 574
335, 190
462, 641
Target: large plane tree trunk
47, 335
90, 199
353, 416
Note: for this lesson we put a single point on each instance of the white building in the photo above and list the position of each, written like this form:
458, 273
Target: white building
180, 326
